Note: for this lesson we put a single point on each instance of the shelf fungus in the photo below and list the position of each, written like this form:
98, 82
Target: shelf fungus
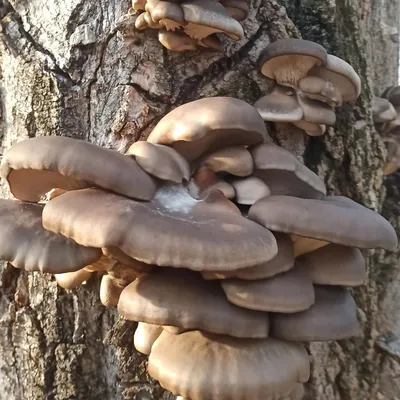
192, 24
386, 114
309, 84
225, 249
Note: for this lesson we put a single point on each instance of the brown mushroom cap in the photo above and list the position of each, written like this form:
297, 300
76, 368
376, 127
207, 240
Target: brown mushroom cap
145, 336
316, 112
332, 317
303, 245
202, 366
383, 110
35, 166
335, 265
176, 41
185, 300
205, 17
333, 219
284, 174
317, 88
110, 290
163, 162
183, 228
342, 76
72, 280
249, 190
233, 160
288, 292
209, 124
289, 60
238, 9
281, 104
25, 244
282, 262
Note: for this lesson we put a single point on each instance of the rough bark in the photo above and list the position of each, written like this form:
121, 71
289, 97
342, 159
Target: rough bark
78, 68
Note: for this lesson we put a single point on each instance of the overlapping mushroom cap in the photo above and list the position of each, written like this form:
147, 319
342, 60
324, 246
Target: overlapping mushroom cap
192, 24
315, 82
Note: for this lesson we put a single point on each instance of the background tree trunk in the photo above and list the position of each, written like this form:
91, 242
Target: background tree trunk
78, 68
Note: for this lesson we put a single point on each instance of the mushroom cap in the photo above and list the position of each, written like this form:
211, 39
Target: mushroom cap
72, 280
185, 300
392, 93
281, 105
145, 336
173, 229
335, 265
110, 290
202, 366
235, 160
383, 110
176, 41
289, 60
316, 112
138, 4
163, 162
317, 88
289, 292
282, 262
25, 244
310, 128
35, 166
209, 124
342, 76
332, 317
303, 245
333, 219
249, 190
165, 11
205, 17
284, 174
238, 9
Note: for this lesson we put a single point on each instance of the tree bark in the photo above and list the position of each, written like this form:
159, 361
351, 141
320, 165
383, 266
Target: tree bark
79, 68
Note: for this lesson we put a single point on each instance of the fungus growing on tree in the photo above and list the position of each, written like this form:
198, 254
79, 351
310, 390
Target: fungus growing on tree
222, 288
310, 84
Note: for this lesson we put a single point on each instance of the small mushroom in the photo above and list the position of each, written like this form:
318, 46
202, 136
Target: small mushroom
145, 336
160, 161
284, 174
205, 180
317, 88
238, 9
72, 280
138, 5
332, 317
316, 112
282, 262
25, 244
110, 291
335, 265
333, 219
289, 292
281, 104
201, 366
35, 166
382, 110
209, 124
392, 93
205, 17
183, 226
249, 190
341, 75
289, 60
183, 299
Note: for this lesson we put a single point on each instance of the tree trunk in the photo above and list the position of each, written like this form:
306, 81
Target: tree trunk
78, 68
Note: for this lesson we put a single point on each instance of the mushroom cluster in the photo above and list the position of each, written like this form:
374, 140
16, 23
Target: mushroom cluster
192, 24
309, 84
224, 248
386, 114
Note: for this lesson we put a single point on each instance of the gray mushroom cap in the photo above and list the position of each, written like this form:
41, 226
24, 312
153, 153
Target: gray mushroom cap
333, 219
183, 226
25, 244
289, 292
254, 369
383, 110
332, 317
183, 299
35, 166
